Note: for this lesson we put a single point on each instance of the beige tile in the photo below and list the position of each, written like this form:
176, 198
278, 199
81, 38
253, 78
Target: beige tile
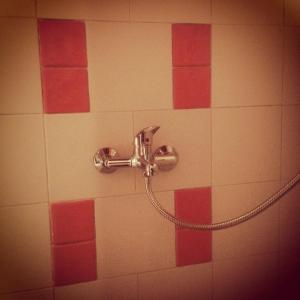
256, 236
25, 248
22, 160
290, 205
132, 237
117, 10
45, 294
191, 282
289, 236
247, 12
20, 87
72, 140
111, 289
191, 11
246, 144
130, 66
292, 12
189, 131
17, 8
291, 71
290, 275
290, 141
246, 65
251, 277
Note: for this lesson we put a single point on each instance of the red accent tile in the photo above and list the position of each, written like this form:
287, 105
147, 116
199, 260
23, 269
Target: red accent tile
193, 247
74, 263
65, 90
191, 87
62, 43
72, 222
193, 205
191, 44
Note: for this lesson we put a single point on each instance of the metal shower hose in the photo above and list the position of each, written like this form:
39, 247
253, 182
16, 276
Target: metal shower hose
225, 224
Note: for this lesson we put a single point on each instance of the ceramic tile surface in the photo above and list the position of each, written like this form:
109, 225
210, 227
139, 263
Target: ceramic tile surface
137, 235
246, 65
25, 248
72, 140
22, 138
246, 144
129, 66
20, 88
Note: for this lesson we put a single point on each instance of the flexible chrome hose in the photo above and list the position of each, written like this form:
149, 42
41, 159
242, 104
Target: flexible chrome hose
225, 224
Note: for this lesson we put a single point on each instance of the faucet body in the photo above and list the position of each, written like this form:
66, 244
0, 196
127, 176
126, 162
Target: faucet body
106, 160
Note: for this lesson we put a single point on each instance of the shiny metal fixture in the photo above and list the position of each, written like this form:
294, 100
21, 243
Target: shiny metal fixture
165, 158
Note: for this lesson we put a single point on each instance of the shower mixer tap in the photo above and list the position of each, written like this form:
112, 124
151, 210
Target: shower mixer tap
164, 158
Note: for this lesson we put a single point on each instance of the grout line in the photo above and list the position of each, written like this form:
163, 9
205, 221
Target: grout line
35, 8
149, 110
12, 293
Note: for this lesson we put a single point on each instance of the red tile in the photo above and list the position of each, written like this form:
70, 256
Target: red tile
193, 205
193, 247
191, 44
62, 43
65, 90
74, 263
191, 87
72, 222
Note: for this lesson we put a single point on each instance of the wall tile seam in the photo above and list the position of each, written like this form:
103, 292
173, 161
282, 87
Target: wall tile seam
83, 242
231, 258
261, 254
95, 112
16, 293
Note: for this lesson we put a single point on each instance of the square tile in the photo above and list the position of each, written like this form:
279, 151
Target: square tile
194, 206
247, 12
20, 83
119, 288
137, 236
290, 155
246, 65
193, 247
187, 131
130, 66
72, 140
74, 263
17, 8
45, 294
72, 221
253, 277
191, 282
289, 275
292, 12
291, 65
25, 258
290, 205
191, 44
246, 144
256, 236
22, 139
117, 10
191, 87
188, 11
289, 236
65, 90
62, 43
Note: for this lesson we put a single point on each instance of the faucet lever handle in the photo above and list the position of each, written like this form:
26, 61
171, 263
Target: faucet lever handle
146, 135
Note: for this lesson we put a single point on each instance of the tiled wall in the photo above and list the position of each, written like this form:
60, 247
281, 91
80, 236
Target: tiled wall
220, 77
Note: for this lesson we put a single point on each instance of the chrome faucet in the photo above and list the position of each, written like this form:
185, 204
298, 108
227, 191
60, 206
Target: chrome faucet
165, 158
